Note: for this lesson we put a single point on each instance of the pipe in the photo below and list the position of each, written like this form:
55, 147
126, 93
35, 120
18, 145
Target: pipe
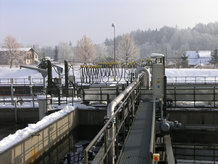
116, 101
145, 77
110, 112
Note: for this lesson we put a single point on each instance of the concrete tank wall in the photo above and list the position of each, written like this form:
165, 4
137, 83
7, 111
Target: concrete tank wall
38, 144
92, 117
35, 145
194, 117
25, 115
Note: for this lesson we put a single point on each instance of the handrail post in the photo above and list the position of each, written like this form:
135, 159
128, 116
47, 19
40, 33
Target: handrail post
85, 157
110, 136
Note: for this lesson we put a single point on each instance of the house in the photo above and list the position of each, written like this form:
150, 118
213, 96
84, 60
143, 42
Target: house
198, 58
24, 56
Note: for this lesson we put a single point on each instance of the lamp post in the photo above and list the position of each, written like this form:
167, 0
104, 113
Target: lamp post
114, 53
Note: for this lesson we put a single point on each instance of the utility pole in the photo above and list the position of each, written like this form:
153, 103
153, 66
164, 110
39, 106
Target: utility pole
114, 53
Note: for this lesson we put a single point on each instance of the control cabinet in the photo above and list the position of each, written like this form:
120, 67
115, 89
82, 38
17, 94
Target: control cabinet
158, 73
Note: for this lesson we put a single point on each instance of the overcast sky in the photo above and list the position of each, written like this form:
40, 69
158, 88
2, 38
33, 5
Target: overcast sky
48, 22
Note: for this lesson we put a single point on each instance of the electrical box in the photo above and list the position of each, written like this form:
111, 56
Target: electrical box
156, 157
158, 73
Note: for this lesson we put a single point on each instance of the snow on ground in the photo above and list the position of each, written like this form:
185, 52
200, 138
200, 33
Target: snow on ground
6, 72
191, 72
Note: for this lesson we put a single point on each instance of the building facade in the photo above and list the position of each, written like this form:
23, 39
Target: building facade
23, 56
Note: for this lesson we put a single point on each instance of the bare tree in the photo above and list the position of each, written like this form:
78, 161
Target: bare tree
12, 48
127, 49
85, 50
101, 52
65, 52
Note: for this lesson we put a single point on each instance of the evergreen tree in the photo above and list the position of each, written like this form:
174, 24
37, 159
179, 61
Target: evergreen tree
184, 62
56, 54
214, 57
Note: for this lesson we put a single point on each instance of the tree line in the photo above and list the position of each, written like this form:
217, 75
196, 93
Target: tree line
170, 41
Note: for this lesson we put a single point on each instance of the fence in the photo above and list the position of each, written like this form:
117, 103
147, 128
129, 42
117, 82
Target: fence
196, 153
192, 96
16, 81
192, 80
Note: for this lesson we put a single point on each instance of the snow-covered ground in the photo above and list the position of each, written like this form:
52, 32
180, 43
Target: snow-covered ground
191, 72
6, 72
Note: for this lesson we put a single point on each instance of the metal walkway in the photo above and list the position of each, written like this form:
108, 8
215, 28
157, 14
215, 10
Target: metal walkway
137, 146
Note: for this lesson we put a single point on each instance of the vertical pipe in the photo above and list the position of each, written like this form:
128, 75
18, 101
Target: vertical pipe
12, 91
72, 96
49, 77
31, 90
165, 96
15, 111
117, 90
105, 145
59, 96
175, 96
108, 99
114, 53
66, 78
214, 96
123, 87
194, 96
100, 94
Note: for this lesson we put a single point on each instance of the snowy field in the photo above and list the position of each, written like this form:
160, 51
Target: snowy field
6, 72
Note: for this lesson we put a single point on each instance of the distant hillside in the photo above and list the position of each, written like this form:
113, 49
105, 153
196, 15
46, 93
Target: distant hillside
174, 41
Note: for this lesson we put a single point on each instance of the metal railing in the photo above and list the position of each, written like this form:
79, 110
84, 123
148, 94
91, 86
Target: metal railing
7, 81
196, 153
192, 97
192, 80
101, 94
123, 110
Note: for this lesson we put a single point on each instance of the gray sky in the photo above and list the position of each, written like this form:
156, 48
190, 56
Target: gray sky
48, 22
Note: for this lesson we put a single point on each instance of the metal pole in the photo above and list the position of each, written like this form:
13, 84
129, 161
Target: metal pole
12, 91
165, 96
114, 53
66, 78
31, 90
15, 111
49, 87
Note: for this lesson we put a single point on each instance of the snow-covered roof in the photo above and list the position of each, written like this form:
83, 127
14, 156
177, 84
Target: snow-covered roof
157, 55
193, 57
192, 54
198, 57
18, 49
204, 54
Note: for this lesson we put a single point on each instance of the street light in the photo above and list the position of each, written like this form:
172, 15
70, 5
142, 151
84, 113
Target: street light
114, 53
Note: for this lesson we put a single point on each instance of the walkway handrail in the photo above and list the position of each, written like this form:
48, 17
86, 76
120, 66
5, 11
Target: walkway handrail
124, 102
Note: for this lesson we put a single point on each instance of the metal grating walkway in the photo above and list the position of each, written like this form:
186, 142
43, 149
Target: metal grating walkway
137, 146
